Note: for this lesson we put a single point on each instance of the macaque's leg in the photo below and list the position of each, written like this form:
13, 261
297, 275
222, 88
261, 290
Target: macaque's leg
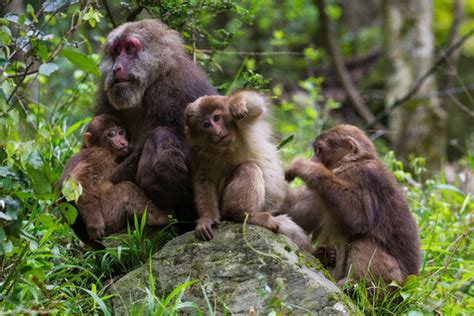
91, 210
163, 169
127, 170
245, 194
125, 199
370, 261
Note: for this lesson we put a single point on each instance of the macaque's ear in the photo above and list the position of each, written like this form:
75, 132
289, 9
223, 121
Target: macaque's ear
86, 139
351, 143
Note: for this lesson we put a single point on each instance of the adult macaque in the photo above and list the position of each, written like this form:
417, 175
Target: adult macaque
352, 204
147, 81
236, 169
104, 208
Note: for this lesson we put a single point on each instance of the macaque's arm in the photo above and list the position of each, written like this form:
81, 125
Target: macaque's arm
345, 198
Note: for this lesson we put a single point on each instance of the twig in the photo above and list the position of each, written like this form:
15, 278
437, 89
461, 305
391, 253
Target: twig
57, 49
133, 15
109, 13
244, 235
441, 59
262, 53
340, 68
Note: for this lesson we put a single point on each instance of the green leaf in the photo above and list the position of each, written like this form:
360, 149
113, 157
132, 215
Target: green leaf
69, 212
71, 190
99, 302
285, 141
82, 61
47, 69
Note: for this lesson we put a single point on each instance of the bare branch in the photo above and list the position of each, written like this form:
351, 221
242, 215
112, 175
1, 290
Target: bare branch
109, 13
340, 68
441, 59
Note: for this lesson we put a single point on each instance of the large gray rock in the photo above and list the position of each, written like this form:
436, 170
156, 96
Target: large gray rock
239, 272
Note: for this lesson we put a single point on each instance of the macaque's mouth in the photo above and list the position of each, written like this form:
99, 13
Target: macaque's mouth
123, 151
223, 138
121, 80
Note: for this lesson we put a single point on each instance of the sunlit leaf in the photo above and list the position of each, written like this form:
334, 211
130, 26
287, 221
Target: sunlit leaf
71, 190
82, 61
69, 212
47, 69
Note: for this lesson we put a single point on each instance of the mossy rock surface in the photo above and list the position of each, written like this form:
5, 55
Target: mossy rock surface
238, 272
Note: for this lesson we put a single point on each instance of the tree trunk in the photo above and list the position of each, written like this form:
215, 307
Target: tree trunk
417, 126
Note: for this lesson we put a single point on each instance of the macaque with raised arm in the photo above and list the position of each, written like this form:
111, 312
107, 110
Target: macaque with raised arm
104, 208
236, 169
352, 204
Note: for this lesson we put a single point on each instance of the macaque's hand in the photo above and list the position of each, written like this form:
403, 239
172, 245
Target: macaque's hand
238, 109
294, 169
203, 228
96, 230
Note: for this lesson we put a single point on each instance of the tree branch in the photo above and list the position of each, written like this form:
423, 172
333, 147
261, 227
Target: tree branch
340, 68
441, 59
109, 13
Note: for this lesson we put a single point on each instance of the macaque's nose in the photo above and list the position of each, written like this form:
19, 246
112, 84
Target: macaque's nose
117, 68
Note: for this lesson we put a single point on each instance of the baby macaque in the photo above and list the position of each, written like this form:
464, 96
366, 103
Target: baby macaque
352, 204
236, 169
105, 208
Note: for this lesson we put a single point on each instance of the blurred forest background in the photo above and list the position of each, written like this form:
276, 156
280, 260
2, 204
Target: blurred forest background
399, 69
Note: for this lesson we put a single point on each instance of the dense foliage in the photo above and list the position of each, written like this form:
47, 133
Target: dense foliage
49, 65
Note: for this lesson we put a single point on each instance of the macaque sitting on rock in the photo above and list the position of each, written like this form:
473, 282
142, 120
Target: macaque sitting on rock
236, 169
352, 204
104, 208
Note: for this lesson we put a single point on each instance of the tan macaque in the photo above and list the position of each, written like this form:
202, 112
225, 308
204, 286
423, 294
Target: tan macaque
352, 204
104, 208
236, 169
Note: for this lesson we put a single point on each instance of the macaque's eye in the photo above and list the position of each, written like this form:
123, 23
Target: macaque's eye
206, 124
121, 132
115, 51
129, 49
112, 134
216, 118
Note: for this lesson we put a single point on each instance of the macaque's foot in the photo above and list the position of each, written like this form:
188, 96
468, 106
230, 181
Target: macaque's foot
345, 282
264, 219
203, 228
96, 231
327, 256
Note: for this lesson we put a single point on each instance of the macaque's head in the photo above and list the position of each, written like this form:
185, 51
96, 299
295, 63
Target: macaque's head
342, 143
209, 122
134, 55
107, 132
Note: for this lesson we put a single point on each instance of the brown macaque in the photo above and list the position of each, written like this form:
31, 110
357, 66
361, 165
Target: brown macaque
147, 80
352, 204
236, 169
105, 208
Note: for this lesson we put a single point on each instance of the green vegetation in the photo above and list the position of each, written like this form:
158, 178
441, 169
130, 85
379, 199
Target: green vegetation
49, 66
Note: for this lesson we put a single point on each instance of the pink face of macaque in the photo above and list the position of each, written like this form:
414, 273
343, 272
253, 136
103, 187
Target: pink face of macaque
124, 51
216, 128
117, 138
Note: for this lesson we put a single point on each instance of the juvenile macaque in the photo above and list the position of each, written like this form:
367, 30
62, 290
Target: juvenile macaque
104, 208
236, 169
352, 203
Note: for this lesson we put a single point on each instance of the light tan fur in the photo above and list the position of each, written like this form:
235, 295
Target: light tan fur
241, 173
